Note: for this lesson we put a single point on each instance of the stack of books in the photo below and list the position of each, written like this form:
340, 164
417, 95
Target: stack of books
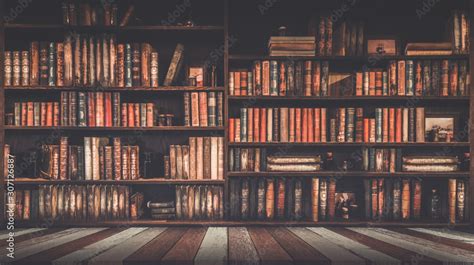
162, 210
292, 46
294, 163
429, 48
430, 163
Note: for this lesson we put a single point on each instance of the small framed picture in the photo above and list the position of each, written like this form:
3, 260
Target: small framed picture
196, 76
382, 46
440, 127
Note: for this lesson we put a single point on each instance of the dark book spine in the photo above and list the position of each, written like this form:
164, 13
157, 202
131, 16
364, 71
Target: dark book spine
52, 64
220, 109
128, 65
273, 78
44, 65
82, 117
427, 78
211, 108
324, 78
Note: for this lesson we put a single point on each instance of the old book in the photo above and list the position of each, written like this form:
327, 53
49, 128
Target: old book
200, 157
452, 200
323, 192
136, 65
25, 68
145, 64
420, 125
265, 78
8, 68
127, 65
195, 115
416, 200
175, 64
270, 199
220, 158
16, 58
203, 115
207, 157
405, 197
460, 200
314, 199
63, 158
244, 205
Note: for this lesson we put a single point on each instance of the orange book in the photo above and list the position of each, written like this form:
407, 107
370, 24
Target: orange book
391, 125
256, 125
298, 125
378, 83
30, 114
307, 78
405, 199
108, 109
231, 130
131, 115
316, 78
398, 126
385, 130
56, 114
366, 129
43, 114
263, 125
136, 108
243, 83
371, 83
91, 110
323, 125
304, 125
49, 114
310, 122
282, 78
149, 114
291, 119
359, 81
237, 83
124, 115
237, 130
317, 125
375, 201
453, 79
401, 78
203, 117
265, 78
250, 125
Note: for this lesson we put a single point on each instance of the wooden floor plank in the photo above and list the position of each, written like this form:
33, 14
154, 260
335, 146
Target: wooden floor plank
366, 252
299, 250
334, 253
446, 234
186, 248
153, 251
466, 236
19, 232
98, 247
402, 254
45, 257
437, 239
241, 248
401, 241
59, 239
117, 254
213, 250
30, 235
268, 249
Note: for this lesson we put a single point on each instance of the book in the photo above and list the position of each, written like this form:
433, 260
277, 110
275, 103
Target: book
175, 65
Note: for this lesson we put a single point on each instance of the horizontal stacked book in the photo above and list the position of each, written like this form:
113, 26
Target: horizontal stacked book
83, 61
293, 163
199, 202
59, 203
431, 163
292, 46
203, 158
162, 210
307, 125
97, 159
202, 109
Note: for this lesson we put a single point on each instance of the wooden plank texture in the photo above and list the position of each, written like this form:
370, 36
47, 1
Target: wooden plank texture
268, 249
213, 250
241, 248
186, 248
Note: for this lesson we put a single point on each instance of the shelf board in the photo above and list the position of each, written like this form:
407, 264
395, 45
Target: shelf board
151, 222
119, 129
115, 89
335, 144
113, 28
363, 174
364, 58
154, 181
463, 99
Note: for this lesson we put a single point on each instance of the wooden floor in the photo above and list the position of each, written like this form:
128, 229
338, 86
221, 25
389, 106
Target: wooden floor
239, 245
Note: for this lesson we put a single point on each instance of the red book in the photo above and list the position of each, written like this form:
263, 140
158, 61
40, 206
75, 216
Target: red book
291, 120
398, 127
237, 83
99, 112
108, 109
310, 122
323, 125
124, 116
30, 114
250, 122
304, 126
359, 84
401, 78
49, 114
91, 109
298, 125
136, 108
131, 115
243, 83
149, 115
56, 114
316, 78
43, 114
231, 130
263, 124
366, 130
256, 125
391, 126
372, 83
378, 83
317, 125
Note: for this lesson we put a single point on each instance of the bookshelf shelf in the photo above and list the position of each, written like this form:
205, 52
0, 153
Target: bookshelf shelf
123, 129
114, 89
154, 181
365, 58
363, 174
333, 144
343, 99
112, 28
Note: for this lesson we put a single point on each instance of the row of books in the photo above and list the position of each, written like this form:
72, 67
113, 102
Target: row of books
85, 109
382, 159
202, 158
83, 60
98, 159
460, 27
282, 198
199, 202
432, 163
401, 199
284, 124
281, 78
292, 46
162, 210
59, 203
341, 39
248, 159
87, 14
203, 109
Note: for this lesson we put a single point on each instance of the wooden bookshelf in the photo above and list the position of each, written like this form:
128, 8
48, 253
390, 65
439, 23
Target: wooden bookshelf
216, 35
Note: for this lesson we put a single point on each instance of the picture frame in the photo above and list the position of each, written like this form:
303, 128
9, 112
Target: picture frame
440, 127
382, 46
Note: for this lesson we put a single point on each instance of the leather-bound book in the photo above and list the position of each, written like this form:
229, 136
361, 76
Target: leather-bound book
192, 158
8, 68
420, 125
375, 201
329, 32
134, 162
179, 161
100, 109
317, 125
59, 64
150, 109
120, 65
256, 124
220, 158
200, 158
145, 64
331, 198
304, 125
381, 197
436, 78
273, 79
444, 91
30, 114
310, 127
284, 133
108, 122
257, 74
220, 109
427, 78
82, 109
187, 108
88, 158
323, 125
203, 117
452, 187
401, 78
265, 78
282, 79
245, 210
131, 114
136, 64
291, 125
263, 125
124, 115
34, 64
195, 115
92, 109
261, 199
207, 157
323, 197
116, 111
175, 65
77, 76
280, 203
398, 125
298, 200
91, 62
43, 63
16, 58
418, 72
460, 200
405, 209
154, 70
416, 184
270, 199
63, 158
321, 37
105, 77
173, 159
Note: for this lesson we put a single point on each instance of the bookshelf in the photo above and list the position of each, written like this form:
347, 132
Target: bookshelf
218, 28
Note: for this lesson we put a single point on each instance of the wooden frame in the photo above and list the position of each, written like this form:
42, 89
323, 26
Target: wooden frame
228, 100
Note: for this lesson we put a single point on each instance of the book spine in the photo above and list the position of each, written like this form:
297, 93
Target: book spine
16, 81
